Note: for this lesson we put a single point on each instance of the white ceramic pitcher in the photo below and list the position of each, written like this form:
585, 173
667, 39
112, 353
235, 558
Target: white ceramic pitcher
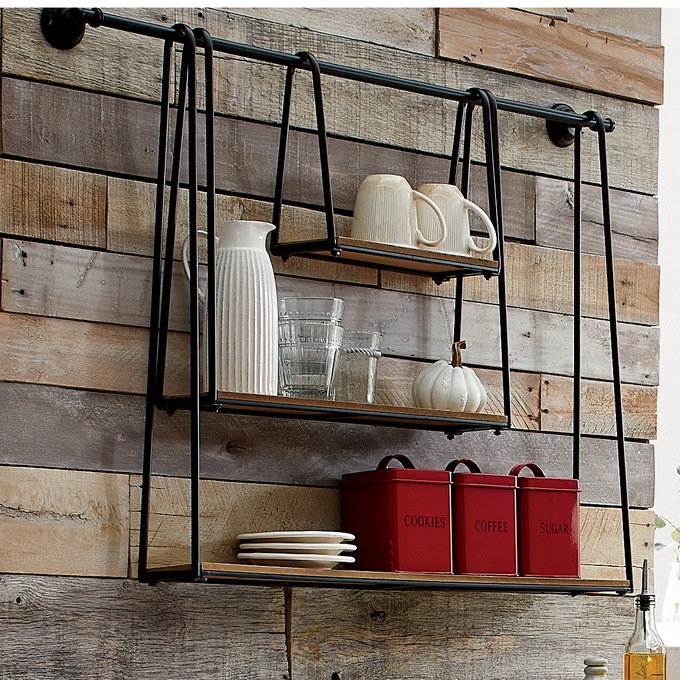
455, 207
385, 212
246, 309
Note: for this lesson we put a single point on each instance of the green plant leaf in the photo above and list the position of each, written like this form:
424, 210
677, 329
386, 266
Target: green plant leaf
675, 535
659, 522
677, 469
660, 546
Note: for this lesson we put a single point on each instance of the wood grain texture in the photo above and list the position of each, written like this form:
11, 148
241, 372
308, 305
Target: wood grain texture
249, 168
52, 280
63, 522
130, 220
406, 28
472, 636
634, 220
52, 203
640, 23
104, 628
104, 431
542, 279
229, 509
555, 51
395, 380
522, 139
123, 64
597, 414
539, 341
520, 136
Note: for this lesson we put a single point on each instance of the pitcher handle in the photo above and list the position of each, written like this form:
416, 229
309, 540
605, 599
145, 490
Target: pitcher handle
440, 216
185, 261
470, 243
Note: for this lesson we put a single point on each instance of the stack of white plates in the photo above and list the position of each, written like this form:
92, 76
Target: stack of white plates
311, 549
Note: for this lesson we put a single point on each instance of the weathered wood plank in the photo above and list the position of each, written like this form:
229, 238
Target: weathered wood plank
597, 408
469, 636
131, 205
130, 220
104, 628
104, 431
555, 396
53, 280
542, 279
640, 23
406, 28
396, 376
123, 64
259, 98
63, 522
523, 142
539, 341
419, 327
79, 354
229, 509
52, 203
249, 167
556, 51
634, 220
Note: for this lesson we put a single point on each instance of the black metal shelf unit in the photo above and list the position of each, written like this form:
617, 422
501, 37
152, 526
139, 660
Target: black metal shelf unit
64, 28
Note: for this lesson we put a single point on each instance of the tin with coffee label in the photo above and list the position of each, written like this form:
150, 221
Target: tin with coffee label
484, 521
400, 516
548, 524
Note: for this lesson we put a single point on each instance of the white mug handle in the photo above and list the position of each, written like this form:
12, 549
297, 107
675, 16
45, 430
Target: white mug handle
471, 245
185, 261
440, 216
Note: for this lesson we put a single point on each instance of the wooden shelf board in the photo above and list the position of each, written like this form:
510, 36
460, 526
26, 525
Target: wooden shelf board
379, 414
219, 571
383, 255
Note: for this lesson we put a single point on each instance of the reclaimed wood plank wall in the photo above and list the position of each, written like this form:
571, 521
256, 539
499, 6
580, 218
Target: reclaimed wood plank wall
78, 142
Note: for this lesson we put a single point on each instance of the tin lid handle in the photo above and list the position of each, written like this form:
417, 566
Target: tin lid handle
404, 460
471, 465
531, 466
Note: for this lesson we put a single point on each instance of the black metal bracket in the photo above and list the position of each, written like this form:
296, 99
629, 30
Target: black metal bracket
65, 28
561, 134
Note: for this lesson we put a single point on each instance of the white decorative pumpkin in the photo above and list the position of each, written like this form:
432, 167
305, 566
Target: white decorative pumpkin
449, 386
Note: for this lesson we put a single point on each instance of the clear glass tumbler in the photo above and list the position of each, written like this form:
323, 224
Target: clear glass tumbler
358, 368
308, 358
326, 309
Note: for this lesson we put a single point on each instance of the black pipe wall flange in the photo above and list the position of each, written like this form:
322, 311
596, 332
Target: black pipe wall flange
63, 28
561, 134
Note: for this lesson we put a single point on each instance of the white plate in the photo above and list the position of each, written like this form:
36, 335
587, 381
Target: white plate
300, 547
299, 536
288, 560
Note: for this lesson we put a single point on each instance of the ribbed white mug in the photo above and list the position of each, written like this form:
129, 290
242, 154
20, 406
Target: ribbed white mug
455, 207
385, 212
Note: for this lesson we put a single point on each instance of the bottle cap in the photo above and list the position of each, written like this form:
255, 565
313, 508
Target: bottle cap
645, 599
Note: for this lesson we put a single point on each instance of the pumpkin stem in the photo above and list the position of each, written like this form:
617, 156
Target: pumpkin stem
457, 360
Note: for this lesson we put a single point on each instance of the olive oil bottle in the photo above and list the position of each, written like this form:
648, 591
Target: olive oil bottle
645, 655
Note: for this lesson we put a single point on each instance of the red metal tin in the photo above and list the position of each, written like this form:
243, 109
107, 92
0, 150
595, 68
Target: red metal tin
548, 524
401, 517
484, 522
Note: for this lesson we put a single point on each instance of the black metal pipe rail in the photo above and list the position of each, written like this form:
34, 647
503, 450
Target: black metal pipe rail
58, 24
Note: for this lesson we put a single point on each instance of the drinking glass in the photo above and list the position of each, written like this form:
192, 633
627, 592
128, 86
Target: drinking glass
358, 367
308, 358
